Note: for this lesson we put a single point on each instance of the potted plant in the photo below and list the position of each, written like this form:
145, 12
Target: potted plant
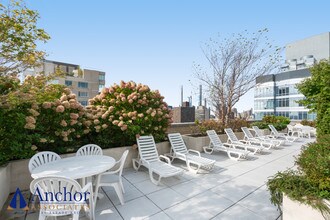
309, 184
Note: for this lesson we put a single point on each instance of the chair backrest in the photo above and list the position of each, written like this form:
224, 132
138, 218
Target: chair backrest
147, 148
247, 132
47, 187
231, 136
290, 127
42, 158
259, 133
121, 162
273, 129
177, 143
89, 149
214, 138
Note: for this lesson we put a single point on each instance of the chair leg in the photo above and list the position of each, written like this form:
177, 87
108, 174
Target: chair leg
190, 168
42, 216
121, 184
153, 180
208, 150
136, 167
75, 217
119, 193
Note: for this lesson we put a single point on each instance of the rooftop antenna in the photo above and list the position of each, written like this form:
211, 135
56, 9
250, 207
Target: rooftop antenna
200, 95
181, 95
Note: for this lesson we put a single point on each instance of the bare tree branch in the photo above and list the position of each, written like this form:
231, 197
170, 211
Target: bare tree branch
235, 63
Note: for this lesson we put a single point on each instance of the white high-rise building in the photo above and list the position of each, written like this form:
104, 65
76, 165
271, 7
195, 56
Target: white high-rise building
276, 94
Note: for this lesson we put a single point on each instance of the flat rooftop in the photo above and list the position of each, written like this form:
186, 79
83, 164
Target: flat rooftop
232, 190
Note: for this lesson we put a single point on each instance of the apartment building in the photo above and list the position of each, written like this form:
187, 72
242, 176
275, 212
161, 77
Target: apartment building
85, 83
276, 94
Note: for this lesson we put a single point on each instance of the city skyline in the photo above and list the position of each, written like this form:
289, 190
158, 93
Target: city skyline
157, 43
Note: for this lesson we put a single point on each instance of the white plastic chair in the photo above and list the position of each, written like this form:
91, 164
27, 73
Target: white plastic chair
42, 158
179, 150
249, 137
246, 145
113, 178
89, 149
62, 187
259, 134
217, 145
276, 134
148, 157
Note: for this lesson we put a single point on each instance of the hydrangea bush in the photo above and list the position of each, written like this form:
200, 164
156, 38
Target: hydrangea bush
37, 116
123, 112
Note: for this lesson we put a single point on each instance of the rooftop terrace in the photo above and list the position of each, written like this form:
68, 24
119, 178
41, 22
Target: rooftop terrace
232, 190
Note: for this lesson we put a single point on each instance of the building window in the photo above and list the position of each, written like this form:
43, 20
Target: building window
82, 85
84, 103
82, 94
283, 91
68, 83
283, 102
101, 77
101, 87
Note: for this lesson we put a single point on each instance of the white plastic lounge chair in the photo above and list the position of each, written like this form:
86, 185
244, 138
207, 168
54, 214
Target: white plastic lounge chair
249, 137
179, 150
259, 134
42, 158
89, 149
306, 131
62, 187
294, 130
246, 145
278, 135
217, 145
113, 178
148, 157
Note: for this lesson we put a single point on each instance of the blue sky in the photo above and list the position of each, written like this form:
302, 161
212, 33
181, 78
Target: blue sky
157, 42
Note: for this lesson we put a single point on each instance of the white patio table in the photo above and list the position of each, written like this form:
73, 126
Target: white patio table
75, 167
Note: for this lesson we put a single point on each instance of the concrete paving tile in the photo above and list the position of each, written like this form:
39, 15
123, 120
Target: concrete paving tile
159, 216
139, 208
238, 212
189, 189
131, 192
147, 186
166, 198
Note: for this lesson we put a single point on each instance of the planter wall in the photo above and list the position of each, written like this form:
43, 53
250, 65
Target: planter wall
197, 143
4, 184
293, 210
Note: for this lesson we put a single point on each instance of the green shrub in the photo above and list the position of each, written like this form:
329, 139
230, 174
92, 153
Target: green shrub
316, 90
122, 112
279, 122
203, 126
260, 124
310, 184
308, 123
234, 124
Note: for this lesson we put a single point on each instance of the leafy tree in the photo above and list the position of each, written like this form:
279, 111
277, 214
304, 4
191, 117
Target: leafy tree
234, 65
316, 89
19, 35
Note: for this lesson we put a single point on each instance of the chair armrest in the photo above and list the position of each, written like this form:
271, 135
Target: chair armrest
194, 151
165, 158
229, 145
144, 161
